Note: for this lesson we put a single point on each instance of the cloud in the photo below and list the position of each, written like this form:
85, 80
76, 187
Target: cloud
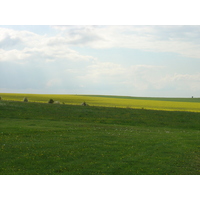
183, 40
186, 77
115, 78
12, 55
139, 80
82, 35
184, 82
55, 52
26, 45
7, 41
24, 37
102, 73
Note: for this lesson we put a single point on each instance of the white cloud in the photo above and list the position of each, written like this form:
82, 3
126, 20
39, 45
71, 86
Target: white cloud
177, 39
115, 78
186, 77
140, 80
12, 55
183, 40
25, 45
188, 82
10, 36
44, 53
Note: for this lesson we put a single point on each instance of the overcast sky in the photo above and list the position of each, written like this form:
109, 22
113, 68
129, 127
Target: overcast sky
109, 60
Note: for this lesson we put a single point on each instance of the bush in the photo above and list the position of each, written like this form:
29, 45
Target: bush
51, 101
84, 104
25, 99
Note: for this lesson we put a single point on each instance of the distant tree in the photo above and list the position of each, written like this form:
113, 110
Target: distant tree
51, 101
25, 99
0, 98
84, 104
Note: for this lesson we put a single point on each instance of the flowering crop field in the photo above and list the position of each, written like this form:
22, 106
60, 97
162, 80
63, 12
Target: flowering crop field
169, 104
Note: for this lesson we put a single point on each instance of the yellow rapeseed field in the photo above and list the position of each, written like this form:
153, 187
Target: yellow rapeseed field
106, 101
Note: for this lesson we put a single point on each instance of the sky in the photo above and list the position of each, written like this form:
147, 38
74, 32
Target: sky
125, 60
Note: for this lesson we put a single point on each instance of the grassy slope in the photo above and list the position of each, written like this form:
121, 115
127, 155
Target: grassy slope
62, 139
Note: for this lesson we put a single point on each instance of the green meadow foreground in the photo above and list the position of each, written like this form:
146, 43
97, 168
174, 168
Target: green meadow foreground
41, 138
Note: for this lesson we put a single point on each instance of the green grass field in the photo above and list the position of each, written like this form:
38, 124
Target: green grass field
41, 138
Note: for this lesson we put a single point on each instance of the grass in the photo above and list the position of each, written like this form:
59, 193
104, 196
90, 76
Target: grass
38, 138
